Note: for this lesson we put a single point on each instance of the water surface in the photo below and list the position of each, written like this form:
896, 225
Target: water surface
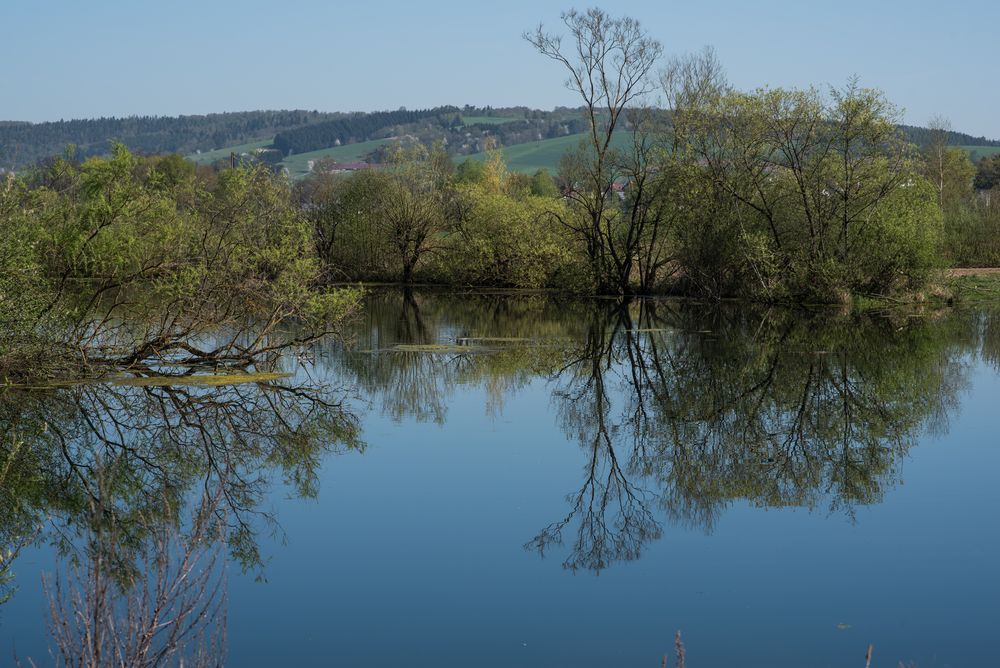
503, 480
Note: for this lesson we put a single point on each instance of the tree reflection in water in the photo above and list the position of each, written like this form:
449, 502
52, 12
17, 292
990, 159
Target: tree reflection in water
161, 603
682, 409
141, 482
679, 410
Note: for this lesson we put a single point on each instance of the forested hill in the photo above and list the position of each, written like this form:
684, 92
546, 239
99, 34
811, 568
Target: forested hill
924, 136
26, 143
464, 131
353, 128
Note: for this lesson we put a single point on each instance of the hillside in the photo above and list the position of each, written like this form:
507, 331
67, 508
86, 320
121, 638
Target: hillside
298, 165
977, 152
24, 144
545, 154
532, 139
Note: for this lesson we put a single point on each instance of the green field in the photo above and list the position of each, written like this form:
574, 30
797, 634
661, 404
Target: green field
982, 151
488, 120
527, 158
544, 154
298, 165
208, 157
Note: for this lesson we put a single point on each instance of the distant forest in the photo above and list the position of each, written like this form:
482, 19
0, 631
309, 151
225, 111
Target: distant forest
351, 129
26, 143
925, 136
463, 131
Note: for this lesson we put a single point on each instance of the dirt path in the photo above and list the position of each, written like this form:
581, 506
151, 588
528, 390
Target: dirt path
974, 271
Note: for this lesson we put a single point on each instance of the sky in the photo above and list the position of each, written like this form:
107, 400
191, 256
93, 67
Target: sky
73, 59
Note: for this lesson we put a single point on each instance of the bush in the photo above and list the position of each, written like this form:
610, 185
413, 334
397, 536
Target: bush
505, 241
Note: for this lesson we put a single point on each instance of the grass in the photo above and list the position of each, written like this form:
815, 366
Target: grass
488, 120
975, 288
527, 158
200, 380
982, 151
544, 154
298, 165
432, 349
208, 157
222, 379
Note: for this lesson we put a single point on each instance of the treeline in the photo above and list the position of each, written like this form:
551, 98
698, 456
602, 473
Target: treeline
351, 129
140, 263
691, 220
770, 195
926, 136
420, 219
969, 198
129, 262
24, 144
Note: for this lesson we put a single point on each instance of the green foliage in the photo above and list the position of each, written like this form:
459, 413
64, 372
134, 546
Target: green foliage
543, 185
972, 232
902, 245
415, 219
118, 260
26, 143
25, 292
988, 173
470, 170
507, 241
809, 198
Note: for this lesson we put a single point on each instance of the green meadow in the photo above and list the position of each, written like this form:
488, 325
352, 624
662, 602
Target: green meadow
488, 120
298, 165
982, 151
208, 157
527, 158
544, 154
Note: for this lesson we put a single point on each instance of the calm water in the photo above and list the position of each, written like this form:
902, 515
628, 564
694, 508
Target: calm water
487, 480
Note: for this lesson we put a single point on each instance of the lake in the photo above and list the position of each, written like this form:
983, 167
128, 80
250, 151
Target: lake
523, 480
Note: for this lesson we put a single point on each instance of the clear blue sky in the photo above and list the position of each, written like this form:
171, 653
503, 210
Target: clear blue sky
74, 59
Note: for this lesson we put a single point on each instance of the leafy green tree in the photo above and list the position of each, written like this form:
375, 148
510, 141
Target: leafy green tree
412, 208
805, 182
164, 260
507, 241
988, 173
469, 171
543, 185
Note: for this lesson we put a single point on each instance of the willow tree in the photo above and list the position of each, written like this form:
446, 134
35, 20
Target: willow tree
412, 208
609, 61
823, 200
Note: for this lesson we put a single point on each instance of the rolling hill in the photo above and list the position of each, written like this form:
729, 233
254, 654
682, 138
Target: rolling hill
535, 155
298, 164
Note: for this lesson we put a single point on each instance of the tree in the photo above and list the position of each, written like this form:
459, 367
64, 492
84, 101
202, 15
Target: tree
542, 184
808, 178
988, 173
609, 62
947, 167
412, 208
503, 235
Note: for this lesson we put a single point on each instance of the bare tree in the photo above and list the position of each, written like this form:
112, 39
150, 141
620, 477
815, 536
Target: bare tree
169, 609
609, 62
937, 153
